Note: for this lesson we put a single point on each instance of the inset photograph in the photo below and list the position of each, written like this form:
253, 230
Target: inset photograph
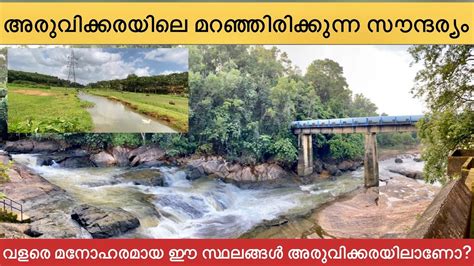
108, 90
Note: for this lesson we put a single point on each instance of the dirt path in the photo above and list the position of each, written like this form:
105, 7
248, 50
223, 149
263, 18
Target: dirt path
33, 92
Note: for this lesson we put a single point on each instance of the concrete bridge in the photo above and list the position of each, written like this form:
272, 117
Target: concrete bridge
370, 126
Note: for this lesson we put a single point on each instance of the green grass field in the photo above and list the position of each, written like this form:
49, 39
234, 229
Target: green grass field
39, 109
155, 105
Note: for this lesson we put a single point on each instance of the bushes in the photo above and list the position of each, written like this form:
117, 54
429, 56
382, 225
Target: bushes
346, 146
126, 139
8, 217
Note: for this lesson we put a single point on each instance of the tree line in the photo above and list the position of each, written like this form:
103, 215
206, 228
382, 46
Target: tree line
175, 83
30, 78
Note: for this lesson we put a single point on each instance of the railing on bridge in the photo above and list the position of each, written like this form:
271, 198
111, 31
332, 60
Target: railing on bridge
358, 122
9, 204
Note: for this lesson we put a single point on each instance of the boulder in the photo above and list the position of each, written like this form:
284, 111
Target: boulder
398, 160
104, 222
146, 154
332, 169
76, 162
406, 172
144, 177
121, 155
5, 157
103, 159
317, 166
345, 165
218, 167
355, 165
45, 146
266, 172
31, 146
194, 172
58, 157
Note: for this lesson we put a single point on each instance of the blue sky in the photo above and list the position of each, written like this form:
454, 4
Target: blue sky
94, 64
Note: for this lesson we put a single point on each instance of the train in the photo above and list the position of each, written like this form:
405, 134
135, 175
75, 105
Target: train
358, 121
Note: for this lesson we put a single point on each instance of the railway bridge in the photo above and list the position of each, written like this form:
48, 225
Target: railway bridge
369, 126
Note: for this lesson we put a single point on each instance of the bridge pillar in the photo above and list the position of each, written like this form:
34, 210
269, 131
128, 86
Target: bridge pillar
371, 163
305, 154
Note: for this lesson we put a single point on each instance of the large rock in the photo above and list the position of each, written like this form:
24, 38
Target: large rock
266, 172
194, 172
332, 169
76, 162
46, 146
67, 159
104, 222
103, 159
355, 165
318, 166
31, 146
5, 157
407, 172
220, 168
144, 177
121, 155
345, 165
145, 155
47, 205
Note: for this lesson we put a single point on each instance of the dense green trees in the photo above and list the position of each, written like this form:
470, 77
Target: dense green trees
29, 78
175, 83
446, 83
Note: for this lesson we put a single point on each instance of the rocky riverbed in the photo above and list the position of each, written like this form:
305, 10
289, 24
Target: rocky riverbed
387, 212
142, 193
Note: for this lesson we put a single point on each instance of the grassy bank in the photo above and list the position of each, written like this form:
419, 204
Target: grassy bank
171, 109
44, 109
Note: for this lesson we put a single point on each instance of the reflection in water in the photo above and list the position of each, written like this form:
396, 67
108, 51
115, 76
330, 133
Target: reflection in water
112, 116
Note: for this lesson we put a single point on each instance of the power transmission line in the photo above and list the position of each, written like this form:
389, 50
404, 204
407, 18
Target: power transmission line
71, 66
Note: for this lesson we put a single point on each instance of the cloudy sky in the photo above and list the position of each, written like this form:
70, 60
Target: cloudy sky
94, 64
381, 72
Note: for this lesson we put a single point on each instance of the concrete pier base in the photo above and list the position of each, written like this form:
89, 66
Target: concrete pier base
371, 164
305, 154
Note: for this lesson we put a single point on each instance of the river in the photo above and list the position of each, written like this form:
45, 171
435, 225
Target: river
113, 116
204, 208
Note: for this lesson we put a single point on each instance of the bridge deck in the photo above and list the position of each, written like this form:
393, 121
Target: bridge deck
373, 124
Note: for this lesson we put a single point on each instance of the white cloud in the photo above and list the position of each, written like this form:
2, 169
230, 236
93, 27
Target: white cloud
176, 55
382, 73
141, 72
167, 72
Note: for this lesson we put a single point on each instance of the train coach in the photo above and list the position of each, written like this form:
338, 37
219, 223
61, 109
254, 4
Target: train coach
358, 121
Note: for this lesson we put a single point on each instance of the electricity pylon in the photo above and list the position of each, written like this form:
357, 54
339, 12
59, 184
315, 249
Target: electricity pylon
71, 68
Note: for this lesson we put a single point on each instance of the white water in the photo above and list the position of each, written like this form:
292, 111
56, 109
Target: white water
205, 208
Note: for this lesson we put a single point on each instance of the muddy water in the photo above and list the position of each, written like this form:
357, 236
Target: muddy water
112, 116
204, 208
